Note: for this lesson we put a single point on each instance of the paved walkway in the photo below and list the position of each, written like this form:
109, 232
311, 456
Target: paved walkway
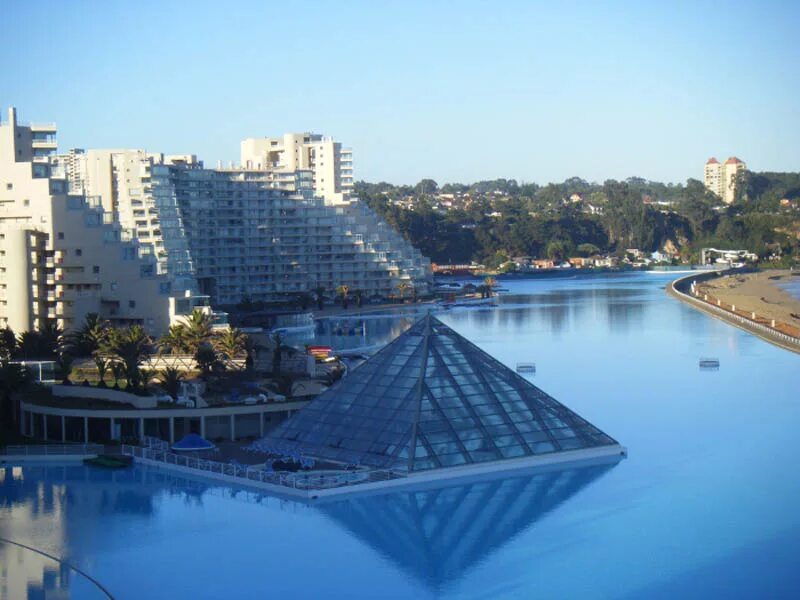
775, 338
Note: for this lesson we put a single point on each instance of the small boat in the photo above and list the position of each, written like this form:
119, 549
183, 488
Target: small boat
109, 461
709, 363
526, 368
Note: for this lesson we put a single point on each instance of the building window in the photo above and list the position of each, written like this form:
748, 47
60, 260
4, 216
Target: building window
95, 269
131, 303
61, 235
9, 186
78, 252
26, 202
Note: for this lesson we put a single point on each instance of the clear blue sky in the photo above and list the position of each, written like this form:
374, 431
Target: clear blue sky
456, 91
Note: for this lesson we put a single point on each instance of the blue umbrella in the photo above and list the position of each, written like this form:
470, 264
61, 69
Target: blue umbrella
192, 443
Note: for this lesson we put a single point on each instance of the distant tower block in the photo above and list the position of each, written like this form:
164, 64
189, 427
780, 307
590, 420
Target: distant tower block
720, 178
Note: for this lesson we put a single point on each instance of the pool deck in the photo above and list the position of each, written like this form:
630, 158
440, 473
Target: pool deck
376, 482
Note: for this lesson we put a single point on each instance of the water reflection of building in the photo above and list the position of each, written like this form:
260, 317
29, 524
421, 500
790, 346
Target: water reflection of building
23, 573
59, 504
437, 534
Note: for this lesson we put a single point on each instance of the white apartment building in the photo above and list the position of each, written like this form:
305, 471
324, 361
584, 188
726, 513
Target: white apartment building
239, 233
720, 178
330, 165
250, 240
119, 180
62, 255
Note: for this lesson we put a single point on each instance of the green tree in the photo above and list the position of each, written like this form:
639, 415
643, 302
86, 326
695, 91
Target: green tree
342, 290
402, 287
206, 359
44, 343
130, 347
556, 250
587, 250
170, 381
8, 343
197, 330
13, 378
426, 186
230, 344
64, 362
89, 337
175, 340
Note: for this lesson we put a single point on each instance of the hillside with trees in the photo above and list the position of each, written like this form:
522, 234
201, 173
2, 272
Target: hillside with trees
491, 221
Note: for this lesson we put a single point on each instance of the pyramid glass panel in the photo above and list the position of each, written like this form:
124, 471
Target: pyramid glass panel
431, 399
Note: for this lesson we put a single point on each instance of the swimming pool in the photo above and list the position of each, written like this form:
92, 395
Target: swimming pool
705, 505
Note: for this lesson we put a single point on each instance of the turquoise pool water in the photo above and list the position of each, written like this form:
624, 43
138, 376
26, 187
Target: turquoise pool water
705, 505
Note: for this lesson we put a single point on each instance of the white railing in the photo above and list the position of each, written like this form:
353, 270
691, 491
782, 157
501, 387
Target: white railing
53, 450
295, 480
155, 443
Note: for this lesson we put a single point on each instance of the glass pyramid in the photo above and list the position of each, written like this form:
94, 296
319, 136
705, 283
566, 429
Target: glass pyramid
431, 399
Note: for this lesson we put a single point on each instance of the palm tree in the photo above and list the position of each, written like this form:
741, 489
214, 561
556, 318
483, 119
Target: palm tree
30, 345
118, 372
90, 337
130, 347
230, 344
198, 330
147, 375
170, 379
102, 365
46, 342
206, 359
52, 337
93, 339
8, 343
277, 352
13, 378
64, 363
402, 287
342, 291
175, 340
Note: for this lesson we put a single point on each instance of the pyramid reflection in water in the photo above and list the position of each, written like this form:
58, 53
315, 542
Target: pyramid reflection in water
438, 534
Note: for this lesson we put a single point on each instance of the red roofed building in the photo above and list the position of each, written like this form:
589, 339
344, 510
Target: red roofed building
721, 178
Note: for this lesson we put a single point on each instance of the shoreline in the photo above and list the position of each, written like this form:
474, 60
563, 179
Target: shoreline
752, 321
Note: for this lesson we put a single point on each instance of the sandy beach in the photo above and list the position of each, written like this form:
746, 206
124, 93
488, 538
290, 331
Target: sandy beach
759, 293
